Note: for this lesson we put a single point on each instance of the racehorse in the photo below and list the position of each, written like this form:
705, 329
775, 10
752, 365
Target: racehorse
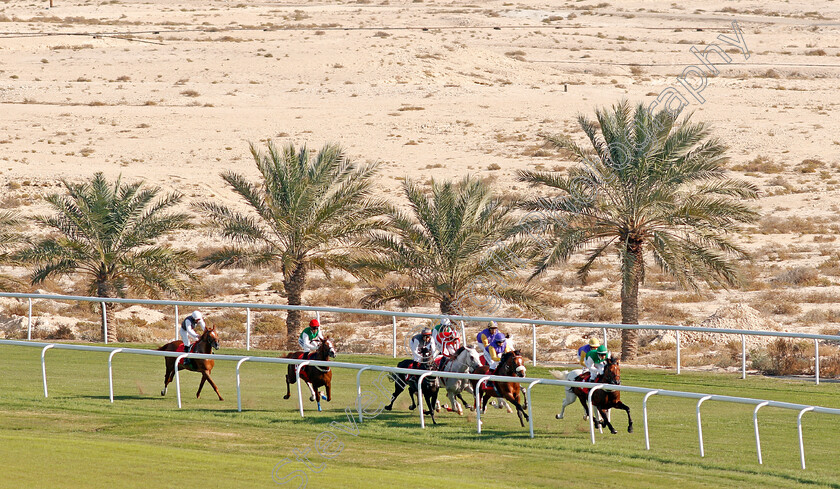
602, 400
430, 386
511, 364
466, 360
206, 343
312, 376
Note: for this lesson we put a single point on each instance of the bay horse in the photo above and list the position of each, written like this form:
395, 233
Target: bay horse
602, 400
430, 386
208, 342
511, 364
312, 376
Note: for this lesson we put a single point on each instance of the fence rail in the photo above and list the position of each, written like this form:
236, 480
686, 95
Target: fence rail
532, 382
395, 314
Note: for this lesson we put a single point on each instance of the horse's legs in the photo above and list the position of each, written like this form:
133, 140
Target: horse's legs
213, 385
201, 384
520, 411
605, 419
412, 394
569, 399
583, 403
311, 391
167, 378
318, 397
398, 388
290, 379
328, 388
621, 405
431, 401
465, 403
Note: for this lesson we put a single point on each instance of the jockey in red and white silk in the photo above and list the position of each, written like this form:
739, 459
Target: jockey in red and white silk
446, 339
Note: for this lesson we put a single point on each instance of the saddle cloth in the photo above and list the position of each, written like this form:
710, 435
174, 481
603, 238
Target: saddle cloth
182, 349
584, 377
299, 355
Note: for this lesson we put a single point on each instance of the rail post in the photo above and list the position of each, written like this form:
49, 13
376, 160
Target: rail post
605, 336
743, 357
534, 345
104, 322
359, 391
177, 326
178, 378
238, 389
394, 325
111, 373
678, 352
463, 333
297, 376
645, 416
29, 322
799, 429
247, 329
44, 367
420, 399
592, 413
817, 361
528, 399
478, 402
755, 424
700, 424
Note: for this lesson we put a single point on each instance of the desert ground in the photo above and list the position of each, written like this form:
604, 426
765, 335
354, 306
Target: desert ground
173, 93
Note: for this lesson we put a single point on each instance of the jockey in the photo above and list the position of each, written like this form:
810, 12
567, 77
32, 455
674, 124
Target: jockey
311, 337
494, 351
483, 338
596, 360
582, 351
188, 334
423, 349
446, 338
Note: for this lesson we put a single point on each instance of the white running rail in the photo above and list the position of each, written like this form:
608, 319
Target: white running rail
395, 314
800, 408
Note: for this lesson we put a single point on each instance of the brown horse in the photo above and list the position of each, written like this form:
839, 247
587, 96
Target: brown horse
312, 376
208, 342
602, 400
511, 364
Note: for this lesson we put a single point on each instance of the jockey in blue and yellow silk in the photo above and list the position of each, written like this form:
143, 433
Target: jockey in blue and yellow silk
493, 352
582, 351
483, 338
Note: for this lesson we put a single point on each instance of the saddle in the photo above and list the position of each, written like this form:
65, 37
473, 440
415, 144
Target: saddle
304, 356
584, 377
186, 362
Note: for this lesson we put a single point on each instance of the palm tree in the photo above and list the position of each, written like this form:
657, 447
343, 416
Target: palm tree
9, 237
650, 186
458, 248
307, 211
110, 235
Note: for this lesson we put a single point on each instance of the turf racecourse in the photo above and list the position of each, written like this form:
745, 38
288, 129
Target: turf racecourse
76, 438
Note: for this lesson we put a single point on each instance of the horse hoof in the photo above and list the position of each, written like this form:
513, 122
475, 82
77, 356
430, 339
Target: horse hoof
613, 432
629, 429
324, 398
163, 393
312, 398
287, 396
557, 416
220, 398
388, 408
319, 408
411, 408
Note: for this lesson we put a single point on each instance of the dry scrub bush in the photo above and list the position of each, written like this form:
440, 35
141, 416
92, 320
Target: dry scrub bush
784, 357
269, 323
800, 276
601, 310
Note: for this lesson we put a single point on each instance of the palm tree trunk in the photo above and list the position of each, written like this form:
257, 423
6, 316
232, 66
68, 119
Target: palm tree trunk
630, 299
446, 305
103, 289
294, 285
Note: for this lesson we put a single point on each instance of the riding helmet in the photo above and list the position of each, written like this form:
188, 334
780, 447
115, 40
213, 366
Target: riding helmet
314, 324
601, 350
594, 343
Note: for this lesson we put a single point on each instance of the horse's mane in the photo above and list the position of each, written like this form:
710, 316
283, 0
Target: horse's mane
508, 354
